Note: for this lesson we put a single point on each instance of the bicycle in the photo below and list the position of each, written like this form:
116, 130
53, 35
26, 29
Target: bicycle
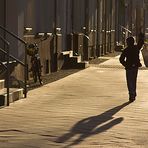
36, 67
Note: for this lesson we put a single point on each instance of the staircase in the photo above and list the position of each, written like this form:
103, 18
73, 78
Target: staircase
16, 91
14, 94
72, 61
7, 93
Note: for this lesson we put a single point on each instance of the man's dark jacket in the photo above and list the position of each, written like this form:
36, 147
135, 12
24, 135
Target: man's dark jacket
130, 56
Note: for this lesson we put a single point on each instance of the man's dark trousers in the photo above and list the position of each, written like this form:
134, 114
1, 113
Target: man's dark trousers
131, 77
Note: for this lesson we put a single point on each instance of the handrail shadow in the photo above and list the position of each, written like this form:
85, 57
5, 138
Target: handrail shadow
92, 125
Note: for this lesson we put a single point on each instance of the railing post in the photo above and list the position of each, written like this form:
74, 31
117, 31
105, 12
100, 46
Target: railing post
8, 75
25, 72
8, 67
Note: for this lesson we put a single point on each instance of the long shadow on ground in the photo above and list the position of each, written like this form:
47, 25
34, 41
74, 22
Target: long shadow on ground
92, 125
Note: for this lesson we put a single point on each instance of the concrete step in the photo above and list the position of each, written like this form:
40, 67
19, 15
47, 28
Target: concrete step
10, 62
3, 69
79, 65
78, 58
73, 61
69, 53
2, 83
82, 65
14, 95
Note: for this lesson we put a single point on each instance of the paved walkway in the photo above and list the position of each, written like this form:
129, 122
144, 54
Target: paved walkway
88, 109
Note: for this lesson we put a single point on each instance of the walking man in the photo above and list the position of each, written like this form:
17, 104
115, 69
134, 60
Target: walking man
131, 61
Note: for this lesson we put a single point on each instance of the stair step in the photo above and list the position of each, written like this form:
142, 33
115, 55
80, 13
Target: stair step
82, 65
78, 58
3, 68
10, 62
2, 83
73, 61
69, 53
14, 95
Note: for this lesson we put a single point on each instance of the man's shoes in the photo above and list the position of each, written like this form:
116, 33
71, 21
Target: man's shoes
132, 99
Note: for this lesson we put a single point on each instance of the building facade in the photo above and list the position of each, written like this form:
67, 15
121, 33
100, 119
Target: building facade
90, 28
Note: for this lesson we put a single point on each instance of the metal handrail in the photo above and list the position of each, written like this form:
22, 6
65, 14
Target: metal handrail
3, 65
15, 36
8, 68
11, 56
25, 60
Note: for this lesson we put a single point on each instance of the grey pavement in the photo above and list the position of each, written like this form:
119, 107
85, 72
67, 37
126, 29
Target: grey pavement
88, 109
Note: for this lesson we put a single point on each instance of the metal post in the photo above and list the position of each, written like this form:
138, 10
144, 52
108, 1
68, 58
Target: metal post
8, 74
55, 36
25, 72
105, 25
86, 32
98, 53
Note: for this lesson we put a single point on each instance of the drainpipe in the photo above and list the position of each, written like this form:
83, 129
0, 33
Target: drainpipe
5, 20
55, 37
86, 30
105, 21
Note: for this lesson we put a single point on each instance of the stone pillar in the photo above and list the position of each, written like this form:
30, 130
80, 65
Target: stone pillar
15, 24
